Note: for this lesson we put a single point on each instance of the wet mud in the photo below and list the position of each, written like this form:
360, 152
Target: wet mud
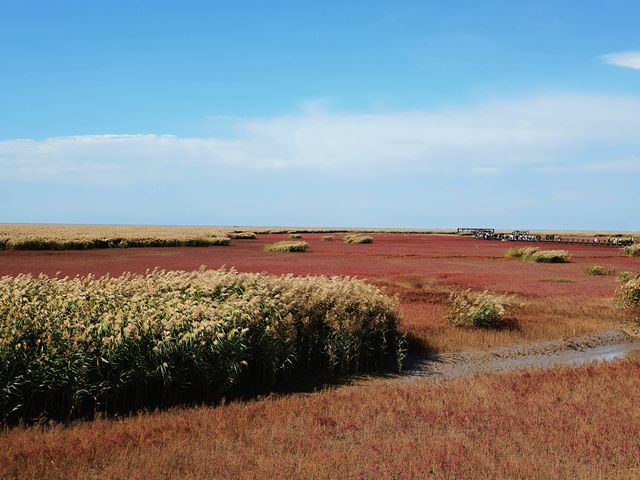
607, 346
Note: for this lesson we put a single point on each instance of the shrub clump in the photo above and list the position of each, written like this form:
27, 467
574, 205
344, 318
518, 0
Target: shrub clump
295, 235
598, 270
357, 238
469, 308
327, 238
77, 347
628, 294
533, 254
286, 247
631, 250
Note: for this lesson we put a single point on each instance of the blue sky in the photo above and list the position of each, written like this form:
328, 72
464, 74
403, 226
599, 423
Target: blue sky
382, 114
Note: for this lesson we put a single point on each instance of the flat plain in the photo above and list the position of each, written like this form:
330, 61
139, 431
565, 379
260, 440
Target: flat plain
564, 422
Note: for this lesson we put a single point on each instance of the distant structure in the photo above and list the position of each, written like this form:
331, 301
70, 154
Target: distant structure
526, 236
475, 231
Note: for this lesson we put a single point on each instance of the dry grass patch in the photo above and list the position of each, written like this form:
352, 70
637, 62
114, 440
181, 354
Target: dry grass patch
357, 239
628, 294
631, 250
533, 254
597, 270
242, 235
295, 235
79, 237
475, 309
285, 246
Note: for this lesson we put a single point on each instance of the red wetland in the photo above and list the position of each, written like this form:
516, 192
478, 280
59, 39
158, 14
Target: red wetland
550, 300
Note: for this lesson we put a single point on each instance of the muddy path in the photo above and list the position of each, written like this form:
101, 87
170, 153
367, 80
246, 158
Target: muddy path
607, 346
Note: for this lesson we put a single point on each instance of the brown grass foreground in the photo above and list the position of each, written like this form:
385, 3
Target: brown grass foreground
563, 423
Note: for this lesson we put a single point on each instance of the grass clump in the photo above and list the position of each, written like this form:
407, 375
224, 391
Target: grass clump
598, 270
469, 308
533, 254
48, 243
624, 276
631, 250
327, 238
550, 256
356, 238
628, 294
295, 235
286, 246
77, 347
523, 253
242, 235
85, 237
557, 280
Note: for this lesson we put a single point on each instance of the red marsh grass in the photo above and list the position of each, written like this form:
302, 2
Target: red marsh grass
580, 304
562, 423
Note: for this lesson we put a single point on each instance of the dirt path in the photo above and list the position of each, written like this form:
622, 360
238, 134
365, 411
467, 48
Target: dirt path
607, 346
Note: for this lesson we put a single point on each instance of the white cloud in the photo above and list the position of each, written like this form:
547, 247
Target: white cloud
624, 165
560, 130
624, 59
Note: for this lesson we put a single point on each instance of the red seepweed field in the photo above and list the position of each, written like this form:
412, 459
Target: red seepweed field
549, 300
449, 259
567, 422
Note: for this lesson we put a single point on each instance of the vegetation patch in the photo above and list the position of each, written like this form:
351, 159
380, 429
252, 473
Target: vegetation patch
624, 276
327, 238
242, 235
357, 239
295, 235
628, 294
533, 254
44, 243
76, 347
469, 308
520, 252
85, 237
631, 250
286, 246
558, 280
598, 270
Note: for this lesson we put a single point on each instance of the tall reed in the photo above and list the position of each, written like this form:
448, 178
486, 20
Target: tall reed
75, 347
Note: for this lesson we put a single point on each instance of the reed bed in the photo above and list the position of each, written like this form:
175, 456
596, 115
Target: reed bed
628, 294
469, 308
44, 243
598, 270
285, 246
631, 250
242, 235
85, 237
357, 239
533, 254
77, 347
